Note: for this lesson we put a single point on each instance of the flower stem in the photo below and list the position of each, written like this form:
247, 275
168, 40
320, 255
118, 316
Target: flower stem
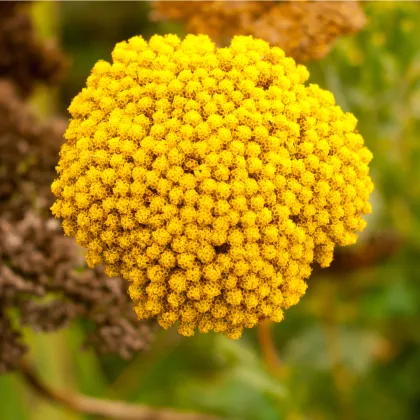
268, 349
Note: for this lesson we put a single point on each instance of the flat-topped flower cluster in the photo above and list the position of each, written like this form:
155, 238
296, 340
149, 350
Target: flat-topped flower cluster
210, 178
305, 30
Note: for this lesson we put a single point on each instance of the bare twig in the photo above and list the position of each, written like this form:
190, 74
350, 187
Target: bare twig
105, 408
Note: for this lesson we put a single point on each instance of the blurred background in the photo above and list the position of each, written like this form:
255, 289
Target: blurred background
350, 348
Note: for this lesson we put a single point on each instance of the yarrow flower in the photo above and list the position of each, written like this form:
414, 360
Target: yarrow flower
305, 30
210, 178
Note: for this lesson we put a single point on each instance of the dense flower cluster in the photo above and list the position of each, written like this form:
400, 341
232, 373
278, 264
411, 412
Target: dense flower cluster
210, 178
44, 283
24, 58
305, 30
11, 346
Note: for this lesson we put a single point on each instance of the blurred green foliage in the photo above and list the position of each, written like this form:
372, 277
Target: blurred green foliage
350, 349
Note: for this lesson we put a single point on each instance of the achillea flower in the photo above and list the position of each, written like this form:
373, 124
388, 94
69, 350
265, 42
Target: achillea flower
210, 178
44, 284
11, 347
305, 30
24, 58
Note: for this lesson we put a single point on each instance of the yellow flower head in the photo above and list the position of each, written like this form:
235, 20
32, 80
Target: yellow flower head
210, 178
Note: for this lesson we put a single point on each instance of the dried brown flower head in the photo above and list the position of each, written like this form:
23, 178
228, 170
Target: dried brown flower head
11, 348
305, 30
23, 57
42, 273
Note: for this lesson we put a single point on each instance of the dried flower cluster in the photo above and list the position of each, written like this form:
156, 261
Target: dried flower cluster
305, 30
210, 178
42, 272
11, 347
23, 57
43, 281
